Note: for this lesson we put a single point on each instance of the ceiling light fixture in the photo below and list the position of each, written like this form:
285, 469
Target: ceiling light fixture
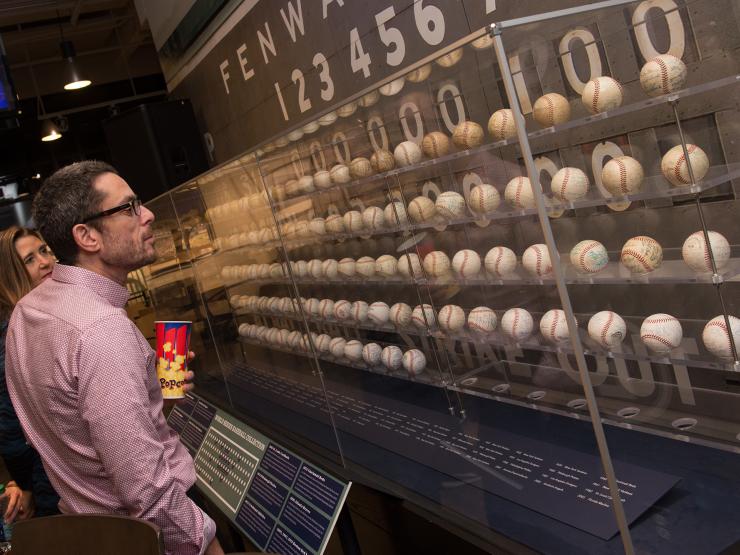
50, 131
74, 79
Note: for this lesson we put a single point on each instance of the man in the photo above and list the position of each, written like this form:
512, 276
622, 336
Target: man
80, 374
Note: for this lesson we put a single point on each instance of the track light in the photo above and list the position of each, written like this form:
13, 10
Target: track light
50, 131
74, 79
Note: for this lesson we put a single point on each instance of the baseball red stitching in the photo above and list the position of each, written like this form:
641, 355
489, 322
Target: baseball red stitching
566, 176
465, 259
622, 175
550, 109
518, 189
665, 84
516, 321
681, 159
660, 320
658, 338
448, 315
608, 322
554, 324
584, 252
500, 255
504, 116
538, 265
595, 99
637, 256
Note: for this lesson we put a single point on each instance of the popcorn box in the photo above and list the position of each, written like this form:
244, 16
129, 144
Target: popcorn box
173, 343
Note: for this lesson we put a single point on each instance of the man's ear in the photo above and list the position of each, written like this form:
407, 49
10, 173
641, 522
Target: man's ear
87, 238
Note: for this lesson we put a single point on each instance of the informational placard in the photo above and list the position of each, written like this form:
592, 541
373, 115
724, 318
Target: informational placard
280, 501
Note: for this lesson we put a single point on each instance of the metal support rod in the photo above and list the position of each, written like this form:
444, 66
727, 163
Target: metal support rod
347, 535
567, 307
705, 231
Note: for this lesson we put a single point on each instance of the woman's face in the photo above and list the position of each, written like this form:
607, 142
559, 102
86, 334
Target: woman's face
36, 257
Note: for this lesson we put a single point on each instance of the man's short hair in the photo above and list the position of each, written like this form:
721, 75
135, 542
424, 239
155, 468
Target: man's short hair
66, 198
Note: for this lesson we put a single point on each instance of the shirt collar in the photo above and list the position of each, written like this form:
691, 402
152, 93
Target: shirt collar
115, 293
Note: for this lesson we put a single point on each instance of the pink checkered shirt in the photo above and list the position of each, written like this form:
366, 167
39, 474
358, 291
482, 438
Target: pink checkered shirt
82, 380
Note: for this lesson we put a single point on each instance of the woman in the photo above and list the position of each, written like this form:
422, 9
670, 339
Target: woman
26, 261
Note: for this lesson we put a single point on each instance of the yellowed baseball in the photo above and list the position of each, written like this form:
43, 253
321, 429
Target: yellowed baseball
365, 266
642, 254
622, 175
370, 99
450, 205
500, 261
607, 328
467, 134
339, 174
407, 153
386, 265
696, 254
435, 144
409, 265
569, 184
421, 209
373, 218
419, 74
360, 167
395, 213
602, 94
589, 256
484, 199
347, 110
392, 88
551, 109
451, 58
353, 221
518, 193
346, 267
663, 74
676, 170
501, 124
436, 264
322, 179
334, 223
382, 161
536, 260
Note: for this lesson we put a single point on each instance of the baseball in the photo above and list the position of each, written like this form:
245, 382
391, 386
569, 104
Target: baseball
622, 175
501, 125
642, 254
435, 144
353, 221
484, 199
326, 308
322, 343
336, 346
589, 257
436, 264
482, 320
392, 88
554, 327
467, 134
419, 74
500, 261
414, 362
518, 193
466, 263
450, 205
315, 268
306, 185
517, 324
301, 268
382, 161
347, 110
663, 74
339, 174
395, 213
602, 94
386, 265
423, 316
312, 307
353, 350
295, 135
330, 268
346, 267
421, 209
365, 266
536, 260
717, 340
378, 313
409, 265
373, 218
676, 170
342, 310
407, 153
327, 119
696, 254
482, 43
359, 311
569, 184
391, 357
360, 167
322, 179
551, 109
451, 318
371, 354
370, 99
401, 315
661, 333
317, 226
450, 59
607, 328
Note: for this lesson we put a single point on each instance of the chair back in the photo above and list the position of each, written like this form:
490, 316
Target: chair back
87, 535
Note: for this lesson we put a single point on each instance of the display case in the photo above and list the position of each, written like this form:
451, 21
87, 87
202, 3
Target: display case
498, 284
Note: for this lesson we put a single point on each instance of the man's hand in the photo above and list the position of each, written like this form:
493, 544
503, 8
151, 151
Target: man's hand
187, 387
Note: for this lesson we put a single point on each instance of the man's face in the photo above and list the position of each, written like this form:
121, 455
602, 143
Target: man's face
127, 239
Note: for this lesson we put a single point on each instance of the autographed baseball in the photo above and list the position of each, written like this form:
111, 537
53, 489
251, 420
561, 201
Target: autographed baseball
716, 338
536, 260
467, 134
353, 221
401, 315
315, 269
409, 265
661, 333
551, 109
360, 167
392, 88
346, 267
642, 254
608, 329
501, 124
317, 226
391, 357
450, 205
423, 315
696, 254
676, 170
326, 308
378, 313
450, 59
466, 263
407, 153
484, 199
386, 265
373, 218
602, 94
382, 161
336, 346
451, 318
569, 184
322, 343
622, 175
359, 311
500, 261
518, 193
421, 209
517, 324
339, 174
482, 320
435, 144
395, 213
371, 354
322, 179
436, 264
347, 110
419, 74
342, 310
589, 257
365, 266
330, 268
663, 74
554, 327
414, 362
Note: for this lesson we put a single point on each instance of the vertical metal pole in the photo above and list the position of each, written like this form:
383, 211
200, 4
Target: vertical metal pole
588, 391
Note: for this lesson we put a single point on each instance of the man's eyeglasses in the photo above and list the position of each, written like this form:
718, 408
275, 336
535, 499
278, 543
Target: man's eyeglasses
133, 206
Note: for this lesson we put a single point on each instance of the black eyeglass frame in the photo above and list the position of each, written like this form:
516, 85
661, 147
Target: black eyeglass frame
134, 205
